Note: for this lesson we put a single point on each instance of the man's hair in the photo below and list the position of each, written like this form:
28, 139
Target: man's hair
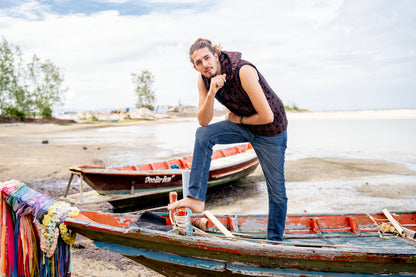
202, 43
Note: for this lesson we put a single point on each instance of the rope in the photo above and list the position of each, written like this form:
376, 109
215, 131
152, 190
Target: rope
181, 220
148, 210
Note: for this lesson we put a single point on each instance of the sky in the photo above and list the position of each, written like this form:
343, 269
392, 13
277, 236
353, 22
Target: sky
321, 55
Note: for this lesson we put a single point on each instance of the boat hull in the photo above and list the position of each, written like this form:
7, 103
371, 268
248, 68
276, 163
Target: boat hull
352, 247
107, 181
227, 165
176, 265
135, 187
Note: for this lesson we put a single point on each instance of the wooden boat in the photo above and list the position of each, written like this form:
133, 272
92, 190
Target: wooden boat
314, 245
147, 183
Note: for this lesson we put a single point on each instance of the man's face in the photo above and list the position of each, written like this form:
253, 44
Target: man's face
205, 62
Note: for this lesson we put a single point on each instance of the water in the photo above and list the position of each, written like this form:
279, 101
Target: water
386, 139
172, 139
392, 140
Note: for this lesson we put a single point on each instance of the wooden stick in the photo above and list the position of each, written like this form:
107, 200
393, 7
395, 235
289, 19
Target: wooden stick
396, 224
218, 224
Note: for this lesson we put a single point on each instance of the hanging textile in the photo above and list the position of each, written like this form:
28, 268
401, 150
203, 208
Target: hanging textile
27, 250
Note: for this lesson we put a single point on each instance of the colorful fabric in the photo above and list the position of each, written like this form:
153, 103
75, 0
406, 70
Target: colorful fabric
21, 253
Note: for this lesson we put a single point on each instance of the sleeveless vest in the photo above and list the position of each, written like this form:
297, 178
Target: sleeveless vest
233, 96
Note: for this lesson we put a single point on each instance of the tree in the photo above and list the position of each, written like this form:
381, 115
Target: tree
44, 86
145, 94
28, 90
8, 74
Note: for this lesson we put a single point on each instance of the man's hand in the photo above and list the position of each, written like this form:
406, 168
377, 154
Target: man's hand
217, 82
234, 118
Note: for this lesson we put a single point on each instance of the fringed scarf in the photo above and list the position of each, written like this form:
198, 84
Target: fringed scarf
20, 251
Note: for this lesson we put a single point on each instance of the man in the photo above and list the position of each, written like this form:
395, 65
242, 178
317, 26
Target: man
256, 115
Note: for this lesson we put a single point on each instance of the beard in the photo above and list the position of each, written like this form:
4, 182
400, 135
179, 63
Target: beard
211, 73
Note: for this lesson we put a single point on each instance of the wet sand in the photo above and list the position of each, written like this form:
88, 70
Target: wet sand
312, 183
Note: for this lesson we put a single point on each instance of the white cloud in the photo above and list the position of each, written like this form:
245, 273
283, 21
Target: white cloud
31, 10
314, 53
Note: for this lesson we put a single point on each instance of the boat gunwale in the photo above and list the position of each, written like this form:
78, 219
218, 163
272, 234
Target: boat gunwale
113, 171
241, 245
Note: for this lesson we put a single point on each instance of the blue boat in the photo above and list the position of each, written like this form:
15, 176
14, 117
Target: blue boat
314, 245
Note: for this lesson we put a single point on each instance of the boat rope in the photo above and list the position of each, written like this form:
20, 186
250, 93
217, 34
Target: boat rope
148, 210
180, 222
181, 219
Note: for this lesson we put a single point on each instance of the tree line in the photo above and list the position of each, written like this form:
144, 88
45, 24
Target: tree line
32, 89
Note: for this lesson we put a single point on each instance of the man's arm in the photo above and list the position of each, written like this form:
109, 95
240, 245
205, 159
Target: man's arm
206, 98
250, 83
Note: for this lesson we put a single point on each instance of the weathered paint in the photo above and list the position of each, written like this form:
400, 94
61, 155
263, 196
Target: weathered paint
165, 257
342, 250
125, 186
216, 266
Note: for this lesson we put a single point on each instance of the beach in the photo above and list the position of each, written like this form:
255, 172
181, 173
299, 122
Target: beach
40, 154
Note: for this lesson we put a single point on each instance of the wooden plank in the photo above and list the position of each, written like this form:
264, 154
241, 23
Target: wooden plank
396, 224
218, 224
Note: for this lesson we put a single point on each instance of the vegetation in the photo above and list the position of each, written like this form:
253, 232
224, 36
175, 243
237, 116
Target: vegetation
27, 90
294, 108
145, 93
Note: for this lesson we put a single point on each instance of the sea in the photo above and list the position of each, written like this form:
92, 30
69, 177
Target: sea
392, 140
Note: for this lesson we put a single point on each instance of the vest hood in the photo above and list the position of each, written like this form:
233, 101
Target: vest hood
229, 62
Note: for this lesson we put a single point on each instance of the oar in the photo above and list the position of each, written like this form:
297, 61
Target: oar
404, 232
218, 224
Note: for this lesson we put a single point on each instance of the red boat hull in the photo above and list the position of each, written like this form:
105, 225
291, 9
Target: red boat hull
167, 174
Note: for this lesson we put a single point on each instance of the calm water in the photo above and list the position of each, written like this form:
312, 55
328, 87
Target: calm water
386, 139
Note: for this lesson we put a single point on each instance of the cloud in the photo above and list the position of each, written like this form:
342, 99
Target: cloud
318, 54
30, 10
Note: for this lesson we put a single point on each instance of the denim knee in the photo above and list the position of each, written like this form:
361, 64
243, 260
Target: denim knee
201, 135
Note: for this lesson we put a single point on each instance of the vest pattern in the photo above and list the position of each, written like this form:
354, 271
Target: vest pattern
233, 96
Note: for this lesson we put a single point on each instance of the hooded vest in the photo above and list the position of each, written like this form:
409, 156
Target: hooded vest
233, 96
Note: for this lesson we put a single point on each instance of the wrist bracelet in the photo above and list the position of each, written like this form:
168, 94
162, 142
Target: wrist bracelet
241, 119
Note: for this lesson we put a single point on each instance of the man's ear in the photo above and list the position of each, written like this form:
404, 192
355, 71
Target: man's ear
195, 68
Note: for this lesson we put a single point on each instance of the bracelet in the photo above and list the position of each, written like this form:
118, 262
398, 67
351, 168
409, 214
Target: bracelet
241, 119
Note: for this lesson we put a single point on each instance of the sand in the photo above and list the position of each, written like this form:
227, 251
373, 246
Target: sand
36, 163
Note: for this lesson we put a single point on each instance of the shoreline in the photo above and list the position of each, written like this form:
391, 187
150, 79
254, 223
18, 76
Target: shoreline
191, 116
360, 114
19, 128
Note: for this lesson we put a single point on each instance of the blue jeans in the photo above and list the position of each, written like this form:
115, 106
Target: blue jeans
271, 154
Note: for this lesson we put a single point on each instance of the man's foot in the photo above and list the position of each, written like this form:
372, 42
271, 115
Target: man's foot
197, 206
